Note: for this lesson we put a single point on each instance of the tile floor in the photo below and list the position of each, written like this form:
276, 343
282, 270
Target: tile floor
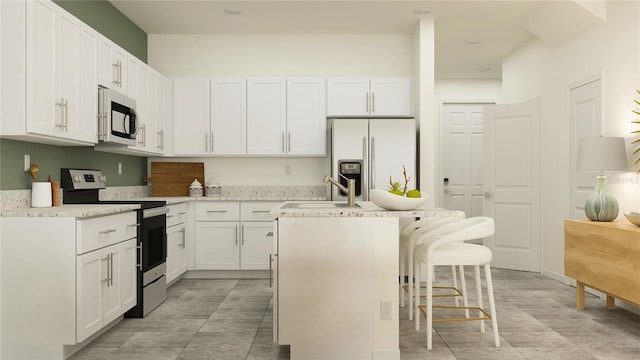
232, 320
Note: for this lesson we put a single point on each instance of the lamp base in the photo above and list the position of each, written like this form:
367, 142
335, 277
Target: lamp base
601, 206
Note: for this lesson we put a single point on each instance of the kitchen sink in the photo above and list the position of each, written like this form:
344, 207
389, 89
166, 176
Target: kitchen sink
318, 205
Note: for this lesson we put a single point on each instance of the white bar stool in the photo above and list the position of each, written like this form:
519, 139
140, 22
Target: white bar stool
445, 246
408, 237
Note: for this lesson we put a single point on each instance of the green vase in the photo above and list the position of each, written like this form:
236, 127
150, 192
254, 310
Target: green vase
600, 205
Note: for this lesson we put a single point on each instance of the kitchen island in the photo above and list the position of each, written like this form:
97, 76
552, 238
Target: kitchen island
335, 273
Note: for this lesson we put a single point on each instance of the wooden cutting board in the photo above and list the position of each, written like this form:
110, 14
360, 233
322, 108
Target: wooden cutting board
174, 178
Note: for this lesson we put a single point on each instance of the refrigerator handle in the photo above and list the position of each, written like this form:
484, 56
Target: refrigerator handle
373, 163
365, 173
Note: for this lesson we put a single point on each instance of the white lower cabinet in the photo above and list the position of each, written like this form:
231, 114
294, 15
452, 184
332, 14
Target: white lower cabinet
106, 286
233, 236
84, 279
176, 241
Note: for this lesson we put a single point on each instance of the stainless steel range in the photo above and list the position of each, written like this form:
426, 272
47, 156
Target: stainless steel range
81, 186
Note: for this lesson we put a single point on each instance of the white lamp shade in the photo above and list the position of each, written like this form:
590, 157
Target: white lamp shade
602, 154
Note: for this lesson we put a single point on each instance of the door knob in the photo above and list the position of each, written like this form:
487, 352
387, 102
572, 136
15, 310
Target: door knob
488, 194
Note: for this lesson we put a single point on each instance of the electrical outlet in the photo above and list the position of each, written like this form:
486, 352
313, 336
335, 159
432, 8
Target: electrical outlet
27, 162
385, 310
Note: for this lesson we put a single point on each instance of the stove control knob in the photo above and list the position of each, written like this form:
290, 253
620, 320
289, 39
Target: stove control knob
77, 178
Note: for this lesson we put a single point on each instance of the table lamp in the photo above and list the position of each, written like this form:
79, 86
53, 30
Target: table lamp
601, 154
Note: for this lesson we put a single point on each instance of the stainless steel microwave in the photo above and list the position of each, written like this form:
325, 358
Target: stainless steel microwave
117, 121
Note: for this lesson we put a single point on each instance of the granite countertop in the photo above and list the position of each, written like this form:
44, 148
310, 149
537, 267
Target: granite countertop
70, 210
366, 209
282, 198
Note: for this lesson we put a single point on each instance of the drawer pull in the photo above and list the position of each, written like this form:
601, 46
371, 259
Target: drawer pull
133, 225
107, 231
260, 211
182, 213
216, 211
170, 216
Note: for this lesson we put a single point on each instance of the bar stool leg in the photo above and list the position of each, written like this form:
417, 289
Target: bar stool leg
463, 283
479, 295
492, 304
429, 305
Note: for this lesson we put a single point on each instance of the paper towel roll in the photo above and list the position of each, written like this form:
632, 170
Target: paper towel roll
41, 194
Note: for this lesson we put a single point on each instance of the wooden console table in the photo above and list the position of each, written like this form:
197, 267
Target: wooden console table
604, 256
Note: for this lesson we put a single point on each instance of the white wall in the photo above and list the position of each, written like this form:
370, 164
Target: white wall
611, 51
280, 55
277, 55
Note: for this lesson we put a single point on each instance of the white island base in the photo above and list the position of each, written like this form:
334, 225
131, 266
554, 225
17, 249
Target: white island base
333, 274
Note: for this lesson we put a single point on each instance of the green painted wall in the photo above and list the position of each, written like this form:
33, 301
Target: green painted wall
50, 159
107, 20
110, 22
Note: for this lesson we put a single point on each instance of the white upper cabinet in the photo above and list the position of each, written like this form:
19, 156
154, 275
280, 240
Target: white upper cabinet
369, 97
266, 116
112, 64
249, 116
228, 116
60, 67
191, 116
306, 116
157, 112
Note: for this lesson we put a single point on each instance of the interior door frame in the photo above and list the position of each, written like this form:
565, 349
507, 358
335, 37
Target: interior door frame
439, 188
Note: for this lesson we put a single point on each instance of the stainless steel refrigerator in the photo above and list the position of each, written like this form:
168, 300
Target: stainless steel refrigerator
371, 150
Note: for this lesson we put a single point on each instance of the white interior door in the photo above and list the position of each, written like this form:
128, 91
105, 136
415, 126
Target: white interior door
585, 102
512, 184
461, 157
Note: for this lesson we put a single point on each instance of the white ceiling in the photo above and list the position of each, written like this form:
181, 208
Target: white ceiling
495, 23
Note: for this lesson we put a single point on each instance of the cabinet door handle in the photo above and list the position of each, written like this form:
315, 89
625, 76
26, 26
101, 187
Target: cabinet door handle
212, 141
289, 142
367, 96
184, 235
242, 233
106, 279
133, 225
373, 102
66, 115
283, 141
161, 140
206, 141
107, 231
114, 77
61, 104
236, 235
111, 269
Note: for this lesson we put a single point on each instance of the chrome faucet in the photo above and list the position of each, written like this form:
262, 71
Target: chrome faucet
350, 189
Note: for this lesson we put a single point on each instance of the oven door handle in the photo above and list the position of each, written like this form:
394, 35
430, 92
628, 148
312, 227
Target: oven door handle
147, 213
139, 247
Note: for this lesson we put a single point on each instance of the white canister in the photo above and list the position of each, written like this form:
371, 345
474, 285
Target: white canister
213, 188
41, 194
195, 189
